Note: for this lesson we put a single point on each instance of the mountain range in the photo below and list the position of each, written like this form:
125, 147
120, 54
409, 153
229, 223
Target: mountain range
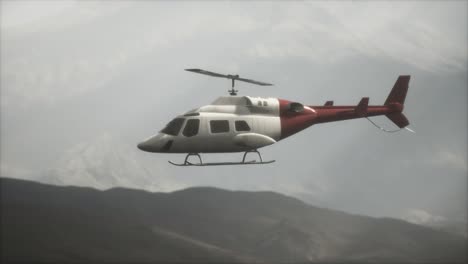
202, 224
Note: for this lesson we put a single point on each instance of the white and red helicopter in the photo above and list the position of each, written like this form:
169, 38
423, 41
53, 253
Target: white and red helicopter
245, 124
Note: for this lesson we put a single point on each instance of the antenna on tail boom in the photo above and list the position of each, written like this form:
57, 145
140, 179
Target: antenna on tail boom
233, 78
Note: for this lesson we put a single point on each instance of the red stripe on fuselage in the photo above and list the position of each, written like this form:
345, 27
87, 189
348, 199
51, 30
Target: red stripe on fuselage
292, 122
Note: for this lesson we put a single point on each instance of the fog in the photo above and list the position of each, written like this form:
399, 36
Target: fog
76, 72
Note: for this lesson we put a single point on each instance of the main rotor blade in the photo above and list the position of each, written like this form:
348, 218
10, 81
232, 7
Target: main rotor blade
229, 76
207, 73
253, 81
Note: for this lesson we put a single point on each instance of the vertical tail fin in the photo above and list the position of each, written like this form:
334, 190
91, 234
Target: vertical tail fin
398, 96
399, 90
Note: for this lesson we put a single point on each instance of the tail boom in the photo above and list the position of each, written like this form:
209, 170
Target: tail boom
392, 108
293, 122
339, 113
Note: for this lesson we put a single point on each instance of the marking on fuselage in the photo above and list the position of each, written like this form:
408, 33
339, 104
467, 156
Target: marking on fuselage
311, 109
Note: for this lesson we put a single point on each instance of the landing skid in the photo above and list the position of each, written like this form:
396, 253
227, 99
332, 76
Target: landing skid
243, 162
253, 162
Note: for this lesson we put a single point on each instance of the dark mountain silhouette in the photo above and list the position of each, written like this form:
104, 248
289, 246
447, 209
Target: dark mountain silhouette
50, 223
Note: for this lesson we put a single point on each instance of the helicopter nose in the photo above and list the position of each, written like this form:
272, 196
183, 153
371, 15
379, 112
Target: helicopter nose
158, 143
144, 146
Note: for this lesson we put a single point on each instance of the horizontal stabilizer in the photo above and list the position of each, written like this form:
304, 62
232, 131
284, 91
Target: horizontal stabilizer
328, 103
399, 119
361, 108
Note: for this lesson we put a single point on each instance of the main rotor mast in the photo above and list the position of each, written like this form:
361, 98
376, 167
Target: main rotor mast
232, 77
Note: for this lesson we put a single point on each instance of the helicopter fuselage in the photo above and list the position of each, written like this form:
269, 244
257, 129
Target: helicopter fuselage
237, 124
230, 124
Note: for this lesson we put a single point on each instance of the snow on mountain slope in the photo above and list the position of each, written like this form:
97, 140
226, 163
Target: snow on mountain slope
104, 163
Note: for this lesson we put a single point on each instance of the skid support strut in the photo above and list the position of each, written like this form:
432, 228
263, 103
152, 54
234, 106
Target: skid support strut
186, 162
252, 151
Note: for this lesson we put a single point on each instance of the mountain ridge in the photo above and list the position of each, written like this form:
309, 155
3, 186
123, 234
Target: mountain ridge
202, 224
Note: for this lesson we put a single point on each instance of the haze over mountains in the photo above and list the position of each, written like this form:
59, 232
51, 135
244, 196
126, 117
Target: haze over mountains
104, 163
52, 223
73, 69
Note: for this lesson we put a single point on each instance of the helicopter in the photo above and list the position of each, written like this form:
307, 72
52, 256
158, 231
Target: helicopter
245, 124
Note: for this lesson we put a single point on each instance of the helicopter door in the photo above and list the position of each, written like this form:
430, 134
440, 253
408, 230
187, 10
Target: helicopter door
187, 139
191, 128
258, 124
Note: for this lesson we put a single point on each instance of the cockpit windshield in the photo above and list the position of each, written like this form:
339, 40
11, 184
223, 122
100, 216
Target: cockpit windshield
173, 128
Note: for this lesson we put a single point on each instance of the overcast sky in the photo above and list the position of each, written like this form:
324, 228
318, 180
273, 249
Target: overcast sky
72, 72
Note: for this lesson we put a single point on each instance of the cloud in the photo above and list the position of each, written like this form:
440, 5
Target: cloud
421, 217
120, 70
448, 159
407, 32
18, 14
330, 32
7, 170
82, 46
29, 17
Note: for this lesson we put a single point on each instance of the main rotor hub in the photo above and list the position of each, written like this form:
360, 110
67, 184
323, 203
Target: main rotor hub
233, 78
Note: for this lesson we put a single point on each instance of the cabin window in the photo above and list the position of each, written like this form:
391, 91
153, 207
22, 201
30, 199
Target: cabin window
259, 103
219, 126
241, 125
191, 128
173, 128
